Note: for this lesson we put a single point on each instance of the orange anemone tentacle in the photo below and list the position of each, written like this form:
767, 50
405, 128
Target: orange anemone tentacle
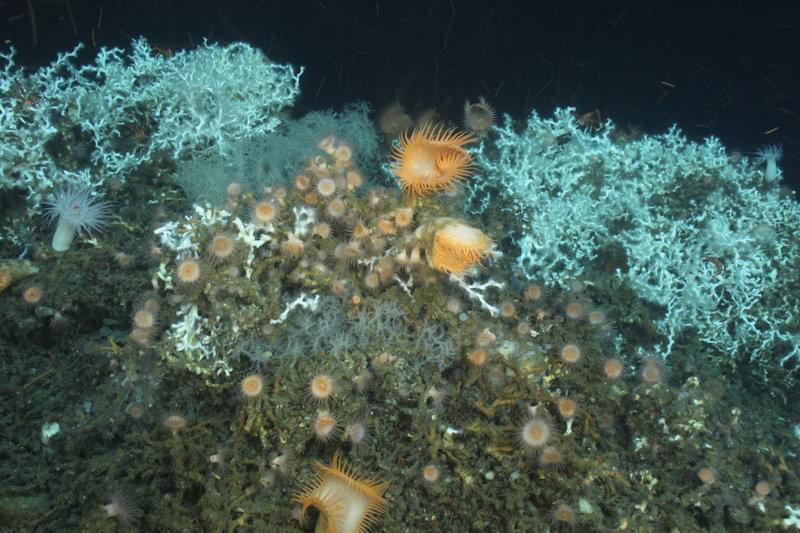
431, 158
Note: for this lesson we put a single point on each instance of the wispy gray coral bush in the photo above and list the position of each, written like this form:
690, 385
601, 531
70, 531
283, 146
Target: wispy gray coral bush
274, 158
380, 325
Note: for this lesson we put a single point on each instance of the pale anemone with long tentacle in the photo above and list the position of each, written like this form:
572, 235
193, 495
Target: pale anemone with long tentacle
75, 211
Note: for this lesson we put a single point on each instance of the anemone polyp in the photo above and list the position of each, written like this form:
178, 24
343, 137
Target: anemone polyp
430, 158
336, 208
393, 119
551, 457
354, 180
478, 116
770, 155
292, 247
613, 368
174, 423
33, 295
455, 246
343, 153
403, 217
144, 319
188, 270
326, 187
75, 211
321, 388
221, 247
347, 502
563, 515
571, 353
356, 433
535, 433
431, 473
326, 426
533, 292
652, 371
251, 386
264, 212
124, 508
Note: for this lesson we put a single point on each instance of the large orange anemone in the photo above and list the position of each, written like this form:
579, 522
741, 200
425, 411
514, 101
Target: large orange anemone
347, 502
431, 158
453, 246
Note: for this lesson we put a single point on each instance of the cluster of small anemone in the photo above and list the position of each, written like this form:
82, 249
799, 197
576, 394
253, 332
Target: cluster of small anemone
376, 233
362, 240
358, 240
